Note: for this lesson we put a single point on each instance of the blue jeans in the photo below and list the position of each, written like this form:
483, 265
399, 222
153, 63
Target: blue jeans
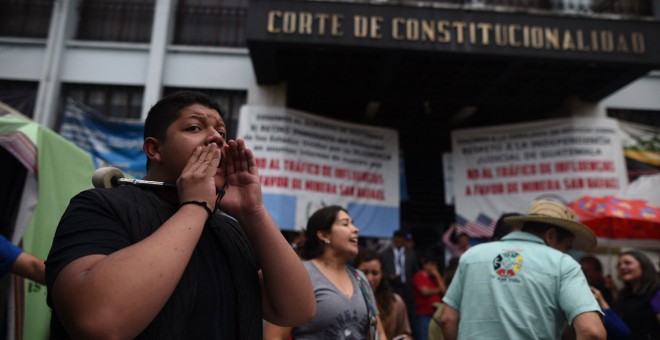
422, 327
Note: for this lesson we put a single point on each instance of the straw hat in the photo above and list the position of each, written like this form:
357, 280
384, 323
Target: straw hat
559, 215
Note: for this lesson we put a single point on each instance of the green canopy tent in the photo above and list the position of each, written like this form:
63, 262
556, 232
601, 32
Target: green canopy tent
42, 171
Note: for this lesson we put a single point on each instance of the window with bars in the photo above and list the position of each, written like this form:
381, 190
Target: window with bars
112, 101
25, 18
116, 20
211, 23
230, 103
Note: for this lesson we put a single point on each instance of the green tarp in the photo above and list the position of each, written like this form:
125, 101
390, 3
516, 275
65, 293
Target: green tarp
61, 170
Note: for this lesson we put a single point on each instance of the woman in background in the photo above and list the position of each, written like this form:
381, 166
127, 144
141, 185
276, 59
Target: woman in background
345, 304
638, 303
455, 250
428, 289
391, 307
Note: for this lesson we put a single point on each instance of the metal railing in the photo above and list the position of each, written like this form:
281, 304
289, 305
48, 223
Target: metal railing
210, 26
131, 21
116, 20
25, 18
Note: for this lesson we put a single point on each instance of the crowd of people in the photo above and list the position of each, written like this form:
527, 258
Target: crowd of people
207, 261
521, 284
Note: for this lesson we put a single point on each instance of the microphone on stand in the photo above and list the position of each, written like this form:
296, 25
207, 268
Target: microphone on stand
110, 177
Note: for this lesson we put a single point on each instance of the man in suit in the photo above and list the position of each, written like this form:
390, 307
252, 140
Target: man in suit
399, 266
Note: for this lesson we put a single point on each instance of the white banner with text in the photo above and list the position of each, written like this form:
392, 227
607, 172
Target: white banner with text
307, 162
503, 168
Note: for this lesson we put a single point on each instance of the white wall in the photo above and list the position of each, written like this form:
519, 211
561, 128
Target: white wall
95, 63
208, 68
127, 64
21, 59
642, 94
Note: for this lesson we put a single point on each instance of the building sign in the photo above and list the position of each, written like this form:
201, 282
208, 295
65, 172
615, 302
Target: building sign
306, 162
504, 168
453, 30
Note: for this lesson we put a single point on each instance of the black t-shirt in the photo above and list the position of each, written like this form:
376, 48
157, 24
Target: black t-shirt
218, 296
636, 312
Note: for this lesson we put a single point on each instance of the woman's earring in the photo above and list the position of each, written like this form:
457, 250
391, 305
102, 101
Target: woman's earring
326, 241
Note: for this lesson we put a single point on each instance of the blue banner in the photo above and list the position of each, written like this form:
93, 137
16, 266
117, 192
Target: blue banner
112, 142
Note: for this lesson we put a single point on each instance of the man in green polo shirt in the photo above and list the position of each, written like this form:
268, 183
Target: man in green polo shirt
525, 286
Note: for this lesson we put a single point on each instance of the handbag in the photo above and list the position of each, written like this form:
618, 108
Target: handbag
371, 307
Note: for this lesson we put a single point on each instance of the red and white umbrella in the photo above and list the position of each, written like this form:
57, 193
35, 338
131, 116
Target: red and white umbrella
616, 218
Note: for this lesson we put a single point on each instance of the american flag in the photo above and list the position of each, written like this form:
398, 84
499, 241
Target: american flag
482, 227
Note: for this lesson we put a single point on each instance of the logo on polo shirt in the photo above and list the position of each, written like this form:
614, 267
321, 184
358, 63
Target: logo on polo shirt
507, 264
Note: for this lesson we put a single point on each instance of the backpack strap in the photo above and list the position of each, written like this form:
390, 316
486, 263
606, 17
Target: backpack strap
371, 306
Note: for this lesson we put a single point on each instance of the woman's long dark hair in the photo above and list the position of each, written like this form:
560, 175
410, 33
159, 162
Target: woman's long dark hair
649, 279
321, 220
384, 294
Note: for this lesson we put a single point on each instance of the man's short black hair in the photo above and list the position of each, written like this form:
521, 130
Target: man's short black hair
167, 110
502, 228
